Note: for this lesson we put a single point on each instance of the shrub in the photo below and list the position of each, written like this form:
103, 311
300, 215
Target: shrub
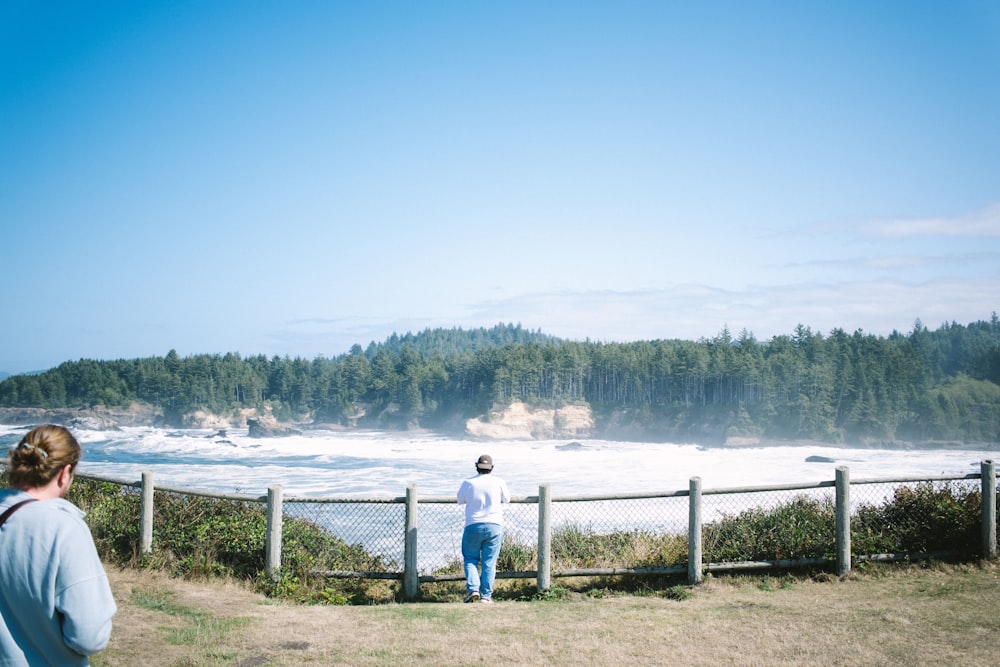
195, 536
113, 516
920, 519
802, 528
515, 557
575, 547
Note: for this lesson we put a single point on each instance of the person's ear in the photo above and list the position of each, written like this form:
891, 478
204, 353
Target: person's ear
66, 476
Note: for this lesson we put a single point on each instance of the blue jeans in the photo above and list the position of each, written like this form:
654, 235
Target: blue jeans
481, 542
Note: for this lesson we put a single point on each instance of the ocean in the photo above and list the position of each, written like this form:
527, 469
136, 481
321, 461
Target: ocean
375, 464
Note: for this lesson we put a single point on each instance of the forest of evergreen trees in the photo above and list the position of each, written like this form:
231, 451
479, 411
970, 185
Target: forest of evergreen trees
941, 385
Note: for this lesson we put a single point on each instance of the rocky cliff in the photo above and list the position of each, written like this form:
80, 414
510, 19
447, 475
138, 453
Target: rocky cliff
268, 428
517, 421
97, 418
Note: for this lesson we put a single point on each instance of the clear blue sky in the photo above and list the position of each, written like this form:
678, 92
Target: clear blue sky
295, 177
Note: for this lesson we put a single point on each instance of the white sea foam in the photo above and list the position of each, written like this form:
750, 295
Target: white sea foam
382, 464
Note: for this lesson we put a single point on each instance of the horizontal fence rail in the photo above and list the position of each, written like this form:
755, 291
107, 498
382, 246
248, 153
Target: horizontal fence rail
418, 540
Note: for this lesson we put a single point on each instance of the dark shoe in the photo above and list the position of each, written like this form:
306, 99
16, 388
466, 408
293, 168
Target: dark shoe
472, 597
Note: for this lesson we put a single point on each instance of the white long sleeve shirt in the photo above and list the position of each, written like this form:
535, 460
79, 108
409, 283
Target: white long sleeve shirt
483, 497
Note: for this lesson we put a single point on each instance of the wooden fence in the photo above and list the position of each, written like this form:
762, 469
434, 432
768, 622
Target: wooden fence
695, 568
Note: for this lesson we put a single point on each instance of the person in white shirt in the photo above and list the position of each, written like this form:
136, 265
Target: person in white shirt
483, 496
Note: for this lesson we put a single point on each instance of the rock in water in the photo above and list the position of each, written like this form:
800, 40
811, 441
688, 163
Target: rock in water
259, 429
570, 446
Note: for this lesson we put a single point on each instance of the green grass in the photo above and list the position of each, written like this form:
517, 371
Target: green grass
200, 627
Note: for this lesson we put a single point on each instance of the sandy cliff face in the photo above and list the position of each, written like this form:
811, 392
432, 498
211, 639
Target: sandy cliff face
238, 419
202, 419
520, 422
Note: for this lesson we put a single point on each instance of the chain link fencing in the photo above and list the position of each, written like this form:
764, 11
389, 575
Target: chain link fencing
781, 524
778, 524
785, 524
932, 517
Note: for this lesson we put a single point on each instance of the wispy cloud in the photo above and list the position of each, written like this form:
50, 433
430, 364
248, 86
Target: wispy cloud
684, 311
984, 223
694, 311
901, 262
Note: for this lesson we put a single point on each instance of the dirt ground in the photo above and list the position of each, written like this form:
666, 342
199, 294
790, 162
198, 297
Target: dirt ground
273, 630
917, 616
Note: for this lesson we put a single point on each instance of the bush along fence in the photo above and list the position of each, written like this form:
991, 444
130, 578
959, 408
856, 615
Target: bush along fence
831, 524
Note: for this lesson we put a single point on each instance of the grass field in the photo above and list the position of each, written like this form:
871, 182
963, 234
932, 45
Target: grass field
930, 615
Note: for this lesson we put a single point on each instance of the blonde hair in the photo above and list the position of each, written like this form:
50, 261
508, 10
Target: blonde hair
41, 454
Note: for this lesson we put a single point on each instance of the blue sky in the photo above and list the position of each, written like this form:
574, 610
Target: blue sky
291, 177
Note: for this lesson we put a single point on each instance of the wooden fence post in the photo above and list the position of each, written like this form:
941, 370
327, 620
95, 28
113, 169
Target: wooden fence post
694, 531
272, 560
843, 519
411, 578
989, 486
544, 565
146, 522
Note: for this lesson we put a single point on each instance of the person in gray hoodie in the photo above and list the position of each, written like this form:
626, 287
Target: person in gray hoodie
56, 604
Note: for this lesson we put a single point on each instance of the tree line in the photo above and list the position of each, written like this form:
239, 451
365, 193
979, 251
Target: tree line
926, 385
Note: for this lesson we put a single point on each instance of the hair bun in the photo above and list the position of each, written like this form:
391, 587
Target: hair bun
29, 447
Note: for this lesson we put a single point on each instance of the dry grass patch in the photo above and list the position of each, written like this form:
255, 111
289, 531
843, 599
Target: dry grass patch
887, 616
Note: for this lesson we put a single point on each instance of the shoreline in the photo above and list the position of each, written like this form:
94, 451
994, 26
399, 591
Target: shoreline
101, 419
